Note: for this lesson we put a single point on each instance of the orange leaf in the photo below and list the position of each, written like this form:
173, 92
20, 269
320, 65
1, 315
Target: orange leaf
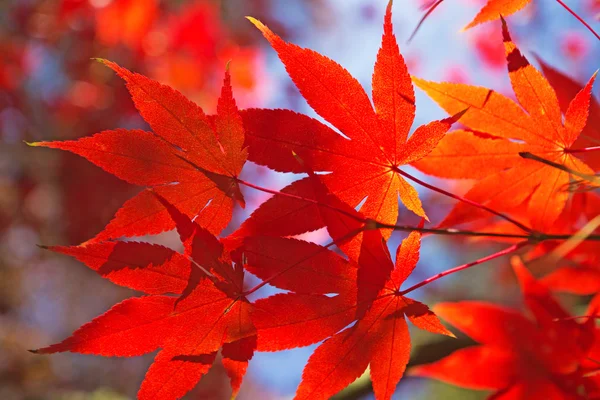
496, 8
507, 180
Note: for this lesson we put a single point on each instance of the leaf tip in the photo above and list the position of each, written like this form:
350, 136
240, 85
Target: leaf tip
416, 371
298, 159
521, 271
43, 246
34, 351
456, 117
256, 22
418, 82
470, 25
445, 310
505, 34
33, 144
267, 33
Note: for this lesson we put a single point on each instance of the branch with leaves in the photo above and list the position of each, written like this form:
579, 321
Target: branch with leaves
520, 156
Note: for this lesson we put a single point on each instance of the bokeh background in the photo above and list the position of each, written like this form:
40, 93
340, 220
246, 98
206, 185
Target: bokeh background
51, 89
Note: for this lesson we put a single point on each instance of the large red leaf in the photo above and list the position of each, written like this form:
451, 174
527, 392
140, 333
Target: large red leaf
188, 159
368, 164
379, 337
212, 312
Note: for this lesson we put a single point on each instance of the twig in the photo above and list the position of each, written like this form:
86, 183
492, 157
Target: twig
533, 237
579, 19
465, 200
450, 271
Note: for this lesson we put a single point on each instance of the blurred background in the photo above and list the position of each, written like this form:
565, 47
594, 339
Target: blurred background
50, 89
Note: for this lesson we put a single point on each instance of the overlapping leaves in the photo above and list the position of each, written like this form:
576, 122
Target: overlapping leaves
366, 165
551, 357
197, 305
500, 132
211, 314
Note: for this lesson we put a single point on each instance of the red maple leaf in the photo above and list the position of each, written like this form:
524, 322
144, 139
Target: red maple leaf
196, 304
189, 159
322, 301
379, 338
549, 358
189, 330
367, 165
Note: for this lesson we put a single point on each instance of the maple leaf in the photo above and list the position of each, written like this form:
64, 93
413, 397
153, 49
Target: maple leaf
518, 358
146, 267
379, 337
566, 89
501, 131
189, 159
288, 214
311, 271
328, 292
189, 330
366, 165
493, 9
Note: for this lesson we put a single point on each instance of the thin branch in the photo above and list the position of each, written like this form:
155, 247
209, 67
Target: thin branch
576, 317
450, 271
573, 13
427, 14
465, 200
533, 237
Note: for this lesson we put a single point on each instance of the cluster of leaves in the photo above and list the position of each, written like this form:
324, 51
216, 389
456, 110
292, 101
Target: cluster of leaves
184, 44
522, 157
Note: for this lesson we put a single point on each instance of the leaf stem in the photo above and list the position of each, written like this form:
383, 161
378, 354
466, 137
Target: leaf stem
573, 13
464, 200
576, 317
431, 8
583, 150
530, 156
532, 236
293, 196
450, 271
452, 232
